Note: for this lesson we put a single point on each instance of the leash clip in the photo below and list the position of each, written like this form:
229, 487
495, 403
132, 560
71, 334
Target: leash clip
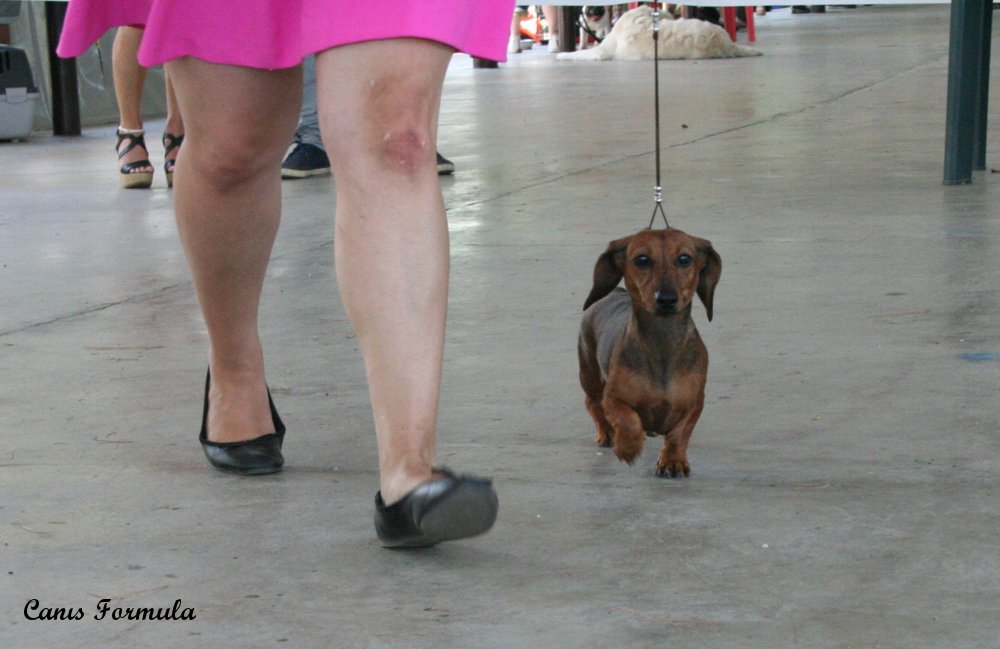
658, 207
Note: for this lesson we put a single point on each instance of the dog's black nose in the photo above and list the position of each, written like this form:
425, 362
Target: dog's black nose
666, 300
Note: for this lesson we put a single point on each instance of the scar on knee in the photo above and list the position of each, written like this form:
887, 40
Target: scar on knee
405, 151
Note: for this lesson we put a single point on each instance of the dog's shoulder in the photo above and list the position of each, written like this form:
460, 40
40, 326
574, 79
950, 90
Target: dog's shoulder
608, 317
618, 299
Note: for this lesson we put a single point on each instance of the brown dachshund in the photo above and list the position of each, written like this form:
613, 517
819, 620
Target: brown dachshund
642, 363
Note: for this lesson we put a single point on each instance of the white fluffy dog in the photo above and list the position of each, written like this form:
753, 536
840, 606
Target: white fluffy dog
631, 39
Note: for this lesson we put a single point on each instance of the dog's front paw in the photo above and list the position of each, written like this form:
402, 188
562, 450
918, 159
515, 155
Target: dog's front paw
628, 449
674, 469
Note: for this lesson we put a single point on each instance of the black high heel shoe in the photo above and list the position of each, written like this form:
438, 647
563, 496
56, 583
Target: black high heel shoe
257, 456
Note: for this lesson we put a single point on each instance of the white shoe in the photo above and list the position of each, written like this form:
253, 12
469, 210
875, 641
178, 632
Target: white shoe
553, 43
514, 45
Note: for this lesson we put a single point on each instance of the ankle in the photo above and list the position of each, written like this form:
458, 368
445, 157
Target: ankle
236, 380
131, 131
238, 406
394, 485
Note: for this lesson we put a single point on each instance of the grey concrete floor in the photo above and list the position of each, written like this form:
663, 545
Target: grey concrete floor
846, 468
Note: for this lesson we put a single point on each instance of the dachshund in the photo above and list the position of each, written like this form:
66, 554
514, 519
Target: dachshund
642, 363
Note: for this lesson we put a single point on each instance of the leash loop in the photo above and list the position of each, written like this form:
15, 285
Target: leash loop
658, 189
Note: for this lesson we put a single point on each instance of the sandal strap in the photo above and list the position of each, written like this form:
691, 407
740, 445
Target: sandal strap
135, 138
171, 142
138, 164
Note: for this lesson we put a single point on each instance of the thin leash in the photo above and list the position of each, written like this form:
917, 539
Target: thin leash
658, 190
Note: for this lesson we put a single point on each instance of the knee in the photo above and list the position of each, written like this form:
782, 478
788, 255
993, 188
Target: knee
392, 131
405, 149
228, 162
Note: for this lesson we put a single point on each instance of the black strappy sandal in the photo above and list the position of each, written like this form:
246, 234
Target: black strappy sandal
170, 142
133, 179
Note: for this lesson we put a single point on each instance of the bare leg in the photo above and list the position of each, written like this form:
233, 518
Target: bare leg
514, 42
378, 106
228, 204
129, 78
552, 18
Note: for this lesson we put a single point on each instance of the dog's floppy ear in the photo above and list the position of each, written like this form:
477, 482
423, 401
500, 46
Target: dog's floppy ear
708, 277
608, 270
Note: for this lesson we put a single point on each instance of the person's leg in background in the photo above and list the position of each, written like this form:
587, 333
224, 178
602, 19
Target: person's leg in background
173, 132
307, 156
514, 42
130, 79
551, 14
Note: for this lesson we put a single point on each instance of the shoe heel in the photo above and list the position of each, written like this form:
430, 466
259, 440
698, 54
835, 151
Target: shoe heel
129, 180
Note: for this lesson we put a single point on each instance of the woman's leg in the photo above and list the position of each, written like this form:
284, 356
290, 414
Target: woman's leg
514, 42
378, 105
228, 202
551, 13
129, 78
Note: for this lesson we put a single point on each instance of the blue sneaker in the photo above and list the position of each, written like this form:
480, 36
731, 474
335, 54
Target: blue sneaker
305, 160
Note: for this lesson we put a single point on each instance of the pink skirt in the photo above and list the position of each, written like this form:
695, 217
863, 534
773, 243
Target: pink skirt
272, 34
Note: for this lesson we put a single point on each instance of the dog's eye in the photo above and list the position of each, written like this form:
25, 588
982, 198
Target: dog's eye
685, 261
642, 261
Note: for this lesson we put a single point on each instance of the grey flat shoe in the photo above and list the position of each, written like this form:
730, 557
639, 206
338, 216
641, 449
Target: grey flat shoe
443, 509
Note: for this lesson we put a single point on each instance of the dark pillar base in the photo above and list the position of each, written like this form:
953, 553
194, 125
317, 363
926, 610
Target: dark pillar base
65, 92
968, 66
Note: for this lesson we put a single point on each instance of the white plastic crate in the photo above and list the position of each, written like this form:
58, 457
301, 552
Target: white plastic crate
17, 112
18, 94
